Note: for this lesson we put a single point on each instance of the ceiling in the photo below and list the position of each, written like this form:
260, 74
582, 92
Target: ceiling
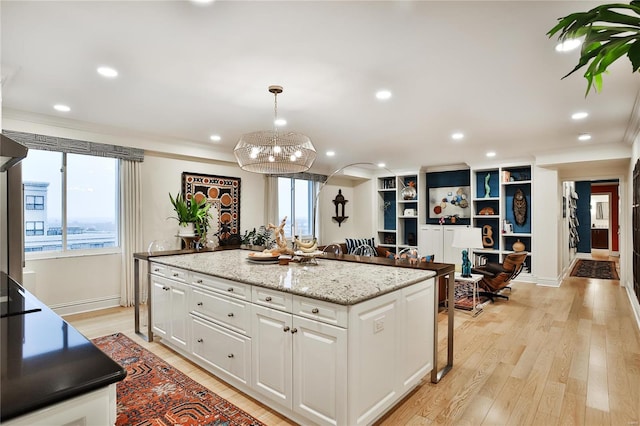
187, 71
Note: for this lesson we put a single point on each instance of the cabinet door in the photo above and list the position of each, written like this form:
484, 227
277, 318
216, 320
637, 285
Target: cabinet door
430, 242
320, 371
160, 297
416, 334
271, 347
450, 254
179, 327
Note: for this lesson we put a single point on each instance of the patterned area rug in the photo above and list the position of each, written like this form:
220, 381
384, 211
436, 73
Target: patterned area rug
600, 269
464, 296
156, 394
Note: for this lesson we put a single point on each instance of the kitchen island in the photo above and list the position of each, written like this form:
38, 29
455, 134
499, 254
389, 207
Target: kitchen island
51, 374
332, 343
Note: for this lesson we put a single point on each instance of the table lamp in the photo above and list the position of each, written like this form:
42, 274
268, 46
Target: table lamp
467, 238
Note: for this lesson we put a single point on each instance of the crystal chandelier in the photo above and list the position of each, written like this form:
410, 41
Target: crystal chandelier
271, 152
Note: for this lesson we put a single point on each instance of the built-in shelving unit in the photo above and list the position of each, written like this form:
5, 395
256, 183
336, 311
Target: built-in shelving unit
502, 208
398, 211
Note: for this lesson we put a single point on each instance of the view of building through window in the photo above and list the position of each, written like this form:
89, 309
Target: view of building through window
91, 195
295, 200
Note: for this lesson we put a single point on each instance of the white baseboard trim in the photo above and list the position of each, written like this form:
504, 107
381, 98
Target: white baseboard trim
548, 282
635, 306
80, 306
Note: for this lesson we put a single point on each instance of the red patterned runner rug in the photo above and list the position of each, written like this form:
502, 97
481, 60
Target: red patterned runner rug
156, 394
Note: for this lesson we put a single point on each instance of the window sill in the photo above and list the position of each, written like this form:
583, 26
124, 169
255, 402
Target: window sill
71, 253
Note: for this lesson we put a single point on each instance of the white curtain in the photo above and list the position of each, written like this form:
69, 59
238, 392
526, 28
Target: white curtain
271, 200
130, 228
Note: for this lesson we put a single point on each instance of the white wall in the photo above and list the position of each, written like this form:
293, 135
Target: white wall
162, 174
547, 220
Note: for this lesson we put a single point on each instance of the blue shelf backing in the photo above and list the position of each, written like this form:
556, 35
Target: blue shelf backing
494, 183
508, 206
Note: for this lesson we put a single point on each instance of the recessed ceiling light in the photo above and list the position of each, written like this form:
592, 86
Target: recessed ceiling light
280, 122
215, 138
457, 136
584, 137
491, 154
107, 72
568, 45
61, 108
331, 153
579, 115
383, 95
382, 165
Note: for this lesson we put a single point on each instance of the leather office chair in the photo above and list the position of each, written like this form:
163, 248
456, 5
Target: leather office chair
498, 276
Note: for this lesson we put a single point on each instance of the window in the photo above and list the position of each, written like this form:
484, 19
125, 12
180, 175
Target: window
71, 201
34, 202
34, 228
296, 198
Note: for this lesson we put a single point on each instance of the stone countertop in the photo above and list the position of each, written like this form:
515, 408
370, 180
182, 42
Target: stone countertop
344, 283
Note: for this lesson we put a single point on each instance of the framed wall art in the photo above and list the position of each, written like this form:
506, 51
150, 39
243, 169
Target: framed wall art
449, 201
223, 193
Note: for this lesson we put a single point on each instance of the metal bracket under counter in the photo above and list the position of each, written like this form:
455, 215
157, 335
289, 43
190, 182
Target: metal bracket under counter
442, 270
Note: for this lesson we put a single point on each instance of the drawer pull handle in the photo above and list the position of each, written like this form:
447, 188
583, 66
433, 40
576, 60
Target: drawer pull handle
286, 328
200, 340
175, 274
199, 303
165, 288
295, 330
230, 289
156, 270
199, 281
230, 356
230, 314
315, 310
268, 298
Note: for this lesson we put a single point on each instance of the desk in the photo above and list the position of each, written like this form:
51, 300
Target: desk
474, 279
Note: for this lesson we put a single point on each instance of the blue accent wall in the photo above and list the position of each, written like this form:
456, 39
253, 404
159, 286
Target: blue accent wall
444, 179
583, 213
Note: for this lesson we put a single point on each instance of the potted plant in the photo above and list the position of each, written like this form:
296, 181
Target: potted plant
610, 31
257, 240
193, 217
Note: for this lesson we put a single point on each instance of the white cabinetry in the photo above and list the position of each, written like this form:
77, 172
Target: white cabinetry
314, 361
438, 240
169, 300
301, 364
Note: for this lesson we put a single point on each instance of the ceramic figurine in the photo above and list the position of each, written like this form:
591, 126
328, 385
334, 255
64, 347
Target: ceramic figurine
487, 188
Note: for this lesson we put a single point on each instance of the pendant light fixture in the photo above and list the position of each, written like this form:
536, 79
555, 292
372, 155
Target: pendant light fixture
271, 152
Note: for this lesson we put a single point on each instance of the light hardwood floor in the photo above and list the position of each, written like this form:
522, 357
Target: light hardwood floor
548, 356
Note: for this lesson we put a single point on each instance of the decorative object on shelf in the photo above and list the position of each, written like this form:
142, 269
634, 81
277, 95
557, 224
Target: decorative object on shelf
487, 211
506, 176
386, 205
467, 238
520, 207
487, 188
339, 202
223, 193
518, 246
507, 227
449, 201
389, 239
409, 212
271, 152
487, 236
411, 238
409, 192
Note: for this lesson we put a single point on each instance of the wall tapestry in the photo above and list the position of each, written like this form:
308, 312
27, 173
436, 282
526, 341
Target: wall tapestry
449, 201
224, 194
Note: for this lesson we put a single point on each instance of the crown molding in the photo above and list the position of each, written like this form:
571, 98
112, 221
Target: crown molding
633, 127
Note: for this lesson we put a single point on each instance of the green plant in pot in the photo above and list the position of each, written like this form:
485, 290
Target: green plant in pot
258, 239
193, 216
610, 32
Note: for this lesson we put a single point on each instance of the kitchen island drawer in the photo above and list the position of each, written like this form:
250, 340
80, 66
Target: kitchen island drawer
319, 310
158, 269
223, 350
272, 298
220, 285
233, 313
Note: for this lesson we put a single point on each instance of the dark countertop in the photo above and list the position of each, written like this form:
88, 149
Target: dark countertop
44, 359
